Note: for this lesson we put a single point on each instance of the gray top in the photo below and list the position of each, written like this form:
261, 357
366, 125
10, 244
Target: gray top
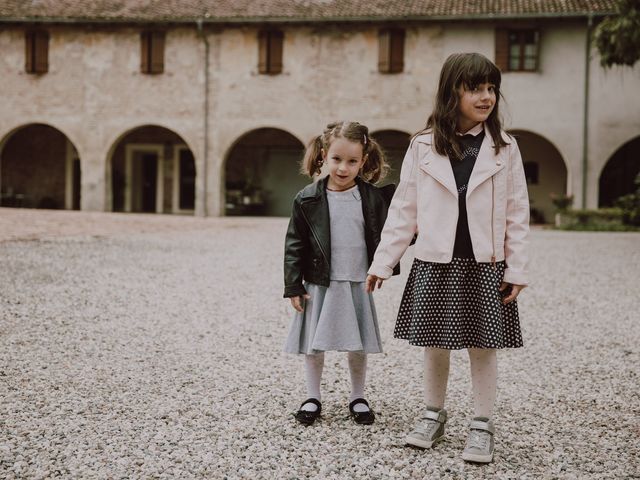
348, 248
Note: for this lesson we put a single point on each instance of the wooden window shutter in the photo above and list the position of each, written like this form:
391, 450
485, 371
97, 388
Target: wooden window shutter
502, 49
145, 46
157, 52
391, 50
29, 40
384, 49
396, 60
263, 52
42, 52
37, 52
152, 52
270, 46
276, 41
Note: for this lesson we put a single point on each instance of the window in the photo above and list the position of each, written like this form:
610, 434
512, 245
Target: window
517, 50
270, 51
531, 172
37, 52
391, 50
523, 50
152, 52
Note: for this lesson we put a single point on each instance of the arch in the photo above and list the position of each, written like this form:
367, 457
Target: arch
546, 172
257, 128
394, 143
619, 173
152, 169
261, 173
39, 168
120, 136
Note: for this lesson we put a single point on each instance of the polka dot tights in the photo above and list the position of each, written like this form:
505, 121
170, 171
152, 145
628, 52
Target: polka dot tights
484, 372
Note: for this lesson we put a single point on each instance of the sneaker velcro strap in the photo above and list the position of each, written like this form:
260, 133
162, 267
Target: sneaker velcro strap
482, 425
440, 416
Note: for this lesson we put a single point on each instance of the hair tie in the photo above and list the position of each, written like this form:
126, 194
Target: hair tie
365, 138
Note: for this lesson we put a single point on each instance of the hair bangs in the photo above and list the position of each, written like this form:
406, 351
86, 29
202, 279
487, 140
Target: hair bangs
477, 69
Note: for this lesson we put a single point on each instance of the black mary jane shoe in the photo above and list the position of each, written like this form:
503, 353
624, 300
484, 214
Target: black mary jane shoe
306, 417
363, 418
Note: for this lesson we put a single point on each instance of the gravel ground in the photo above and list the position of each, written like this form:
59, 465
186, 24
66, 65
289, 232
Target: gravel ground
150, 347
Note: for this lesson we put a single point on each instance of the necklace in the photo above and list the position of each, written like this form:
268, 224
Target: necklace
343, 190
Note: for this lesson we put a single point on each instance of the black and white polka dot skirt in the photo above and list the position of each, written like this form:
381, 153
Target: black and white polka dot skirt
457, 305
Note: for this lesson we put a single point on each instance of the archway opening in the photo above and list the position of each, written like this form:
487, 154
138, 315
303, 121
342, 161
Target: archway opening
619, 173
394, 143
152, 171
39, 168
546, 173
262, 173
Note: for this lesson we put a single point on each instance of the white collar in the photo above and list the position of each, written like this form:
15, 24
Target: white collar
475, 131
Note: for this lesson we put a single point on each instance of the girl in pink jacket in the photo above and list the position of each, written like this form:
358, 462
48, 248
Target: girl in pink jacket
463, 189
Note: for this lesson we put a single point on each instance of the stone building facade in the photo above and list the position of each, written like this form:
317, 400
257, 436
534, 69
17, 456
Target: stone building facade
214, 132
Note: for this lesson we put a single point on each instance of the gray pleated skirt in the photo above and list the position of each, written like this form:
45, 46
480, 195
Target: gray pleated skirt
341, 317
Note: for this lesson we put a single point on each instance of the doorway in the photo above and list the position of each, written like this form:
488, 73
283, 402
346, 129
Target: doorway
152, 169
143, 179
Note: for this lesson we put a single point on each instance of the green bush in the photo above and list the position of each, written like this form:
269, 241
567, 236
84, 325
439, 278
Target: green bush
603, 219
591, 227
630, 206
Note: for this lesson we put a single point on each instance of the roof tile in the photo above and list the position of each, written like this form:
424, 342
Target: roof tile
302, 10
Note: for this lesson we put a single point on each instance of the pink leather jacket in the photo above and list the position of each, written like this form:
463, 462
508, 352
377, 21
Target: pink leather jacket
426, 201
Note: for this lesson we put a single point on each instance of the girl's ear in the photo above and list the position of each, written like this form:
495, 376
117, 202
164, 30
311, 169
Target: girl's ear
323, 153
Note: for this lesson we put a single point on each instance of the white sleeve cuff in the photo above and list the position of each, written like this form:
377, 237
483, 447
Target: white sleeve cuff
517, 277
380, 271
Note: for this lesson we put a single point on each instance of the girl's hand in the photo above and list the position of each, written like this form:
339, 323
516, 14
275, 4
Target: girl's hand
298, 302
372, 281
515, 290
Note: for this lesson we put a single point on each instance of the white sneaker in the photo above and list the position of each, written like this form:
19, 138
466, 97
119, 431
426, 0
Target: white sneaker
479, 447
429, 430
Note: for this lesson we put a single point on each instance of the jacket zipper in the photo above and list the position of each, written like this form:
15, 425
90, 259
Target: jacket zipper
493, 240
314, 235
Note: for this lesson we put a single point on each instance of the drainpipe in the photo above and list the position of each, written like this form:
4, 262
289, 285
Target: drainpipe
205, 163
585, 119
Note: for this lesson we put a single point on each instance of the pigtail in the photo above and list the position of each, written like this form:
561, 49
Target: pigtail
312, 160
376, 167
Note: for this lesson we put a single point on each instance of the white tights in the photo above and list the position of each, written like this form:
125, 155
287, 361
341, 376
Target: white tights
484, 373
314, 365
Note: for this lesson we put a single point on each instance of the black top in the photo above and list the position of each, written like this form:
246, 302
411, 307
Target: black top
462, 169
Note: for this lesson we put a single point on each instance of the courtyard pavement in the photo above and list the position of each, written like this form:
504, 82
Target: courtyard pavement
144, 346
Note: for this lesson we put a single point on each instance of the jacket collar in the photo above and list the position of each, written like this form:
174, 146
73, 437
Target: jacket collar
439, 166
315, 190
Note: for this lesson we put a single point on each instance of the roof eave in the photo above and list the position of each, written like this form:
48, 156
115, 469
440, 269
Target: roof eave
294, 20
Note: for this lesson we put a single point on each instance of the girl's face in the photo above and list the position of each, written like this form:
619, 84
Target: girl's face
475, 105
345, 160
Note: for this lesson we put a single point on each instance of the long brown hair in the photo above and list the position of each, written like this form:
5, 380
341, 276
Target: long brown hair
466, 70
375, 166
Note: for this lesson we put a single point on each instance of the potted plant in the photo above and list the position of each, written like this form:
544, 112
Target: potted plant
561, 203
